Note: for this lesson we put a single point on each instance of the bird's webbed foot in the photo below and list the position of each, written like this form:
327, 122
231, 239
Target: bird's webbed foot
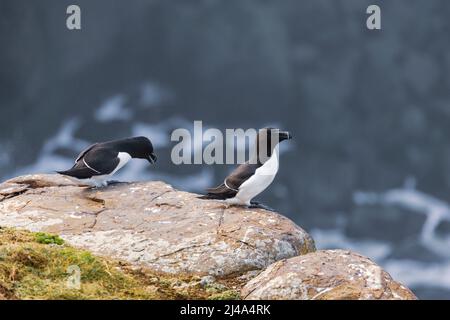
258, 205
114, 182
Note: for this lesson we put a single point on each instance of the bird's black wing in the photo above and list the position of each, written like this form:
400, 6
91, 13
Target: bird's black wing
97, 162
231, 184
82, 153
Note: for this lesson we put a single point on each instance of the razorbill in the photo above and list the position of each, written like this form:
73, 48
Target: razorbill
95, 165
254, 176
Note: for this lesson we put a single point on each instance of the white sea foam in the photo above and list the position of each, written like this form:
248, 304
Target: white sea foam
408, 271
153, 95
415, 273
336, 239
160, 132
113, 109
48, 160
46, 163
436, 211
65, 137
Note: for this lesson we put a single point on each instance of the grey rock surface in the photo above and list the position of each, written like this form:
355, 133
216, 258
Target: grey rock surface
152, 224
325, 275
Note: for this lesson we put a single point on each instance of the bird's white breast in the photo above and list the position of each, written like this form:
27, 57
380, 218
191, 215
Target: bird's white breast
262, 178
124, 157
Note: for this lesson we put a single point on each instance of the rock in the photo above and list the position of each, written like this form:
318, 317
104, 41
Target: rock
152, 224
207, 280
325, 275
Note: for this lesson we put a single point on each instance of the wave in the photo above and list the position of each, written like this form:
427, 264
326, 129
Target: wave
413, 273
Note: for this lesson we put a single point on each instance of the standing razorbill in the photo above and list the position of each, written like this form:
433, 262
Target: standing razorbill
96, 164
253, 177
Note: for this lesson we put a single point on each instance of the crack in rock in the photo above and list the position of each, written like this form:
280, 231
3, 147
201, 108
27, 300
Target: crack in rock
180, 250
96, 217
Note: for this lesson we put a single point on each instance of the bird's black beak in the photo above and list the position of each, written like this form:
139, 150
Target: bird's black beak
285, 135
152, 158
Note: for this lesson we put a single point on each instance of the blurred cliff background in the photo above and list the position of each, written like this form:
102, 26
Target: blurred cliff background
369, 166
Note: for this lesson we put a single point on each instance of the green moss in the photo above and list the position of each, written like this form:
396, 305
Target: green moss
30, 268
226, 295
45, 238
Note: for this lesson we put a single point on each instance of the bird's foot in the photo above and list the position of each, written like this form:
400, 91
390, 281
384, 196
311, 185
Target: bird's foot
257, 205
99, 186
113, 182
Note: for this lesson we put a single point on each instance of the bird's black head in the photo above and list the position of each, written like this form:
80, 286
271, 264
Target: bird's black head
140, 148
268, 139
277, 134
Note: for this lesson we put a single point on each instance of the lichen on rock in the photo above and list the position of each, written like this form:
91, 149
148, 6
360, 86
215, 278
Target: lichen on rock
325, 275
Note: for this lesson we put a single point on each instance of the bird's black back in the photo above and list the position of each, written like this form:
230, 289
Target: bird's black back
231, 185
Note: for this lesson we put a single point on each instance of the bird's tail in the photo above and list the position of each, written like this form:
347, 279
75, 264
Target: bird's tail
79, 173
219, 193
70, 173
210, 196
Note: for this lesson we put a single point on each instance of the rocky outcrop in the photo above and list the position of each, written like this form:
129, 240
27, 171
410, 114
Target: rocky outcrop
156, 227
325, 275
152, 224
